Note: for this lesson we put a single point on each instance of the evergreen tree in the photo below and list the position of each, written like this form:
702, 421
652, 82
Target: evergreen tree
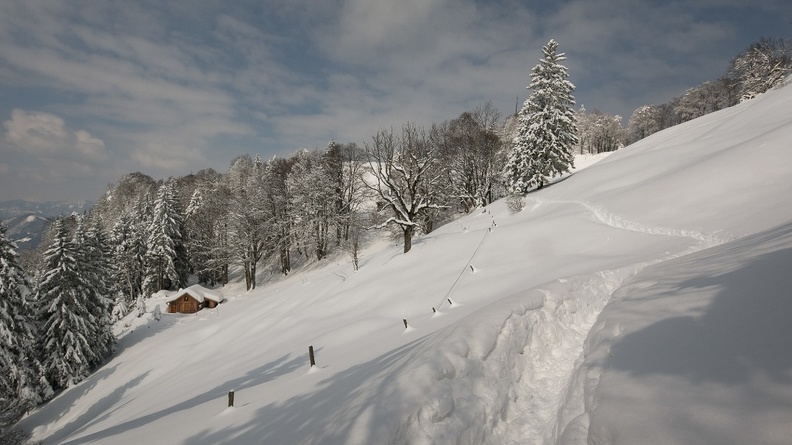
547, 132
165, 266
62, 294
128, 254
19, 390
98, 270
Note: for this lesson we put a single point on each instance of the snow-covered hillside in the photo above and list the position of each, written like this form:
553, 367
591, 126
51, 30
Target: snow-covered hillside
644, 299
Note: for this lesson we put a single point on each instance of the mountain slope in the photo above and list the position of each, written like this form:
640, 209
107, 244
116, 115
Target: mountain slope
26, 230
523, 350
26, 220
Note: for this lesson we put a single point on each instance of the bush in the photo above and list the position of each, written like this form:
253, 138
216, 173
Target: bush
515, 203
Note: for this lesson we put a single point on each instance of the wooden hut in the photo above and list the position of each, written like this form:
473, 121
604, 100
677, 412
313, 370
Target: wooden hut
193, 299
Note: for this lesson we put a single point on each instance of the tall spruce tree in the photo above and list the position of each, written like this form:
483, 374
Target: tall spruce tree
165, 248
19, 387
547, 134
66, 321
129, 249
97, 269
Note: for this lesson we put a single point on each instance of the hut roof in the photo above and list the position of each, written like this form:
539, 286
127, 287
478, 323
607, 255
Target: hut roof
198, 292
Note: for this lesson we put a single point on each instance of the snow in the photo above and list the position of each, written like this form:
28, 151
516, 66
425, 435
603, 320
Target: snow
643, 299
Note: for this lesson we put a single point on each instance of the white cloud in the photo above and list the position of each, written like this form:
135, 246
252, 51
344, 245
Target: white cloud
43, 159
40, 134
164, 84
45, 136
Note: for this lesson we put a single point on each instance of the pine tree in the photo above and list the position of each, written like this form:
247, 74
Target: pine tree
128, 252
98, 270
547, 133
19, 389
165, 247
66, 352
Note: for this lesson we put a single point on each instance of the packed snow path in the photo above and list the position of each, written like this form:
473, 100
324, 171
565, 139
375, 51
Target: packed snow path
538, 347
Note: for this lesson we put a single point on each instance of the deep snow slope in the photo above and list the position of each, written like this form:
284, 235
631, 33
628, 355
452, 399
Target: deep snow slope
545, 325
693, 351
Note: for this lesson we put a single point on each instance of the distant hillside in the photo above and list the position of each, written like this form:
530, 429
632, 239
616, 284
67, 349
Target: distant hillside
51, 209
26, 230
26, 221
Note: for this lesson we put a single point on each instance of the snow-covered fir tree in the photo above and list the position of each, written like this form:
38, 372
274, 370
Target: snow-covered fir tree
547, 134
66, 321
164, 243
97, 269
199, 221
128, 242
19, 387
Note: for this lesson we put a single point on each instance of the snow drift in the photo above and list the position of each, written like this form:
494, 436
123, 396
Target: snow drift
642, 299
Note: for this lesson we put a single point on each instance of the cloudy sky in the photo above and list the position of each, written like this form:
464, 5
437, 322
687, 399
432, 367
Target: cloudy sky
93, 89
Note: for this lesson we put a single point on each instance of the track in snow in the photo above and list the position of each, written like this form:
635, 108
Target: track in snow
558, 332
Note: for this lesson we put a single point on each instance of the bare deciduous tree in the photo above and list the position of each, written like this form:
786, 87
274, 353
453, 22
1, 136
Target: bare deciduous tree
404, 177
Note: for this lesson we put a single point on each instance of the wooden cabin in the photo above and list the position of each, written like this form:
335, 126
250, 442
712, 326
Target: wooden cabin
193, 299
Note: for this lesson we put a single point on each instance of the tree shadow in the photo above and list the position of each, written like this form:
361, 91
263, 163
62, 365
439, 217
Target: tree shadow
66, 399
362, 393
254, 377
746, 327
98, 411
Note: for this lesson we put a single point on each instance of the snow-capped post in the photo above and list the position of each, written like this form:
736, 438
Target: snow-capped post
405, 322
311, 356
231, 398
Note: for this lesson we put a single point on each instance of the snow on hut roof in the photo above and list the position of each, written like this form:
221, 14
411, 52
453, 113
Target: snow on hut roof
198, 292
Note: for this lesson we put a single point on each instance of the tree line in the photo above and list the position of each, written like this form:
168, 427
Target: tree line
760, 67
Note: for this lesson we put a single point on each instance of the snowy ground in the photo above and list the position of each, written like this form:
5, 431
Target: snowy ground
644, 299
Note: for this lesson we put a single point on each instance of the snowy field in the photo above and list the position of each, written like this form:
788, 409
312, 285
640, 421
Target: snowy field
643, 299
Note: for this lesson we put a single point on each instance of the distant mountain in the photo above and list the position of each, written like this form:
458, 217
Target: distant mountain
26, 221
51, 209
26, 230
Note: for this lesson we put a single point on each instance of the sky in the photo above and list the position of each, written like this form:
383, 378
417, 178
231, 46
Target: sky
93, 89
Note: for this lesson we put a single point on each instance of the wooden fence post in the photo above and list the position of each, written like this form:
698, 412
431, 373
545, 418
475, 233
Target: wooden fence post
231, 398
311, 356
405, 322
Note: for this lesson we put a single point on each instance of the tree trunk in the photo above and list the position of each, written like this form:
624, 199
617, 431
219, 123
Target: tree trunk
285, 261
408, 231
247, 275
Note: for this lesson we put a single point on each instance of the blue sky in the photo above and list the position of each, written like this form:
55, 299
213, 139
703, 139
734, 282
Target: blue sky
93, 89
